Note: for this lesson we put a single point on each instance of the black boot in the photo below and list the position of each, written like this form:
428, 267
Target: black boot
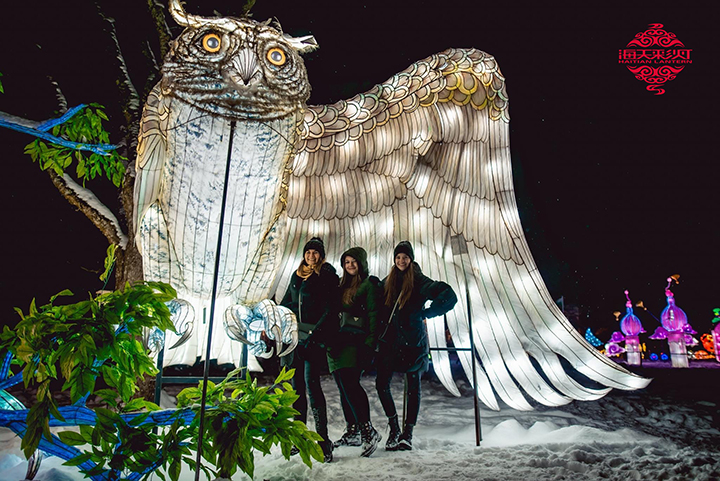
405, 440
320, 415
370, 439
392, 442
351, 437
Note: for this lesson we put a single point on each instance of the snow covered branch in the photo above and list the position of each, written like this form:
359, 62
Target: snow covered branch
88, 203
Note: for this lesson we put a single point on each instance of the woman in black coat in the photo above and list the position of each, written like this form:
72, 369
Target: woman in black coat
311, 295
403, 340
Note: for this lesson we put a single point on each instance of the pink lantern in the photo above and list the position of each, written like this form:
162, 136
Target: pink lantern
630, 326
674, 321
659, 334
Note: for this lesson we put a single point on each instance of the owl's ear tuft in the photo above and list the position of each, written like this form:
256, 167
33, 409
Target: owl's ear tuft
303, 44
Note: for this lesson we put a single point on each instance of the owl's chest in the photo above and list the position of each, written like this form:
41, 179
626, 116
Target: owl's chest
208, 154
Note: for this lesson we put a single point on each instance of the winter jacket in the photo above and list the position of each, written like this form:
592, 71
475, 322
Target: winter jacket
352, 342
403, 339
314, 301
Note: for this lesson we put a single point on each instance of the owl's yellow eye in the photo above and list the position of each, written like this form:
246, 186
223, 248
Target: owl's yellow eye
211, 42
276, 56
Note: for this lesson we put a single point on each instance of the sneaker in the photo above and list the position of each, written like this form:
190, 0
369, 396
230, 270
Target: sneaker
351, 437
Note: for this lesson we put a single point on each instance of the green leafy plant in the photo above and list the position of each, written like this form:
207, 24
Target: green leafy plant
118, 446
250, 418
98, 339
84, 127
86, 340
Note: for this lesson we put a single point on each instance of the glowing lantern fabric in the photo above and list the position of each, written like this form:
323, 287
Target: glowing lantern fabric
675, 322
424, 157
673, 318
630, 325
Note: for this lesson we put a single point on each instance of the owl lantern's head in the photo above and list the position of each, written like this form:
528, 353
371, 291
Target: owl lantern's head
236, 68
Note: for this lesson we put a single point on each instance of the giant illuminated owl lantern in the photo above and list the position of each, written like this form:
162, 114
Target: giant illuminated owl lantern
422, 157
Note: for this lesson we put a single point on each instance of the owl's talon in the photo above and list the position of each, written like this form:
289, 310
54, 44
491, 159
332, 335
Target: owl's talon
247, 325
182, 315
278, 338
291, 347
237, 318
266, 355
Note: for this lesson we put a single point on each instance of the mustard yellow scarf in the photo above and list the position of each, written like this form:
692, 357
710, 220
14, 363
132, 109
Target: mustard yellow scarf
305, 271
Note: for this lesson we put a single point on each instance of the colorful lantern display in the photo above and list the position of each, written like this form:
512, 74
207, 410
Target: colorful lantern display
630, 326
674, 321
592, 338
716, 333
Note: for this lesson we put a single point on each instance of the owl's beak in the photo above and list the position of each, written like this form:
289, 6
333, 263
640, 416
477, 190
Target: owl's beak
243, 69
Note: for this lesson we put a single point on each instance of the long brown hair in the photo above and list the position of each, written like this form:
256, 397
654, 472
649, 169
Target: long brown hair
349, 284
391, 285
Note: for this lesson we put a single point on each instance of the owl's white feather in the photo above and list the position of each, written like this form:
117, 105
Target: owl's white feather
425, 157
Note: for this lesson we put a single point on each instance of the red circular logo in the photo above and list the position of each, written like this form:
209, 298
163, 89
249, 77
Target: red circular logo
655, 56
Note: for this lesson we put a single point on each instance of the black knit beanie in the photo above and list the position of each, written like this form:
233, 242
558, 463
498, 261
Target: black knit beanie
315, 243
406, 248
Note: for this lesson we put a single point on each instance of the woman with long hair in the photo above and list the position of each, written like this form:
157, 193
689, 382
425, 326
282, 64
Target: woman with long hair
352, 346
311, 295
403, 341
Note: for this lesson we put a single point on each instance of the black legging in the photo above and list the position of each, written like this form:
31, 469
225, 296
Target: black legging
353, 398
382, 383
308, 365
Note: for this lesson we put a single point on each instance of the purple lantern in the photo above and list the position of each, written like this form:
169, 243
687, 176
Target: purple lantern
659, 334
716, 333
674, 321
630, 326
616, 337
613, 349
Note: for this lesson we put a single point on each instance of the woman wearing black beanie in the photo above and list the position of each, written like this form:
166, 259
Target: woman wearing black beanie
311, 296
403, 341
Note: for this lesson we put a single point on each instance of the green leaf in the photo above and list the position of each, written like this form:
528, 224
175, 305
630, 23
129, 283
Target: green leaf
138, 404
78, 460
64, 292
107, 416
71, 438
109, 262
174, 470
86, 433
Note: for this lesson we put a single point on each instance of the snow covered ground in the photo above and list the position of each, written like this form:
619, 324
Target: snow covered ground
669, 431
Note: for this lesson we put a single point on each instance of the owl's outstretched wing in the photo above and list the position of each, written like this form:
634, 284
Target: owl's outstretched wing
425, 157
151, 151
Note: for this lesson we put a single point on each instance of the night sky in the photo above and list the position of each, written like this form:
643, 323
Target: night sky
616, 186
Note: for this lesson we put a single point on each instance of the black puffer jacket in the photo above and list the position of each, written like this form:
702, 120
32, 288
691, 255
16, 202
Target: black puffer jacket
406, 330
313, 301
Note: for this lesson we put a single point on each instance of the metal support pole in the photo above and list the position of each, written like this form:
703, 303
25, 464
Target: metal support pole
206, 372
159, 377
478, 429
